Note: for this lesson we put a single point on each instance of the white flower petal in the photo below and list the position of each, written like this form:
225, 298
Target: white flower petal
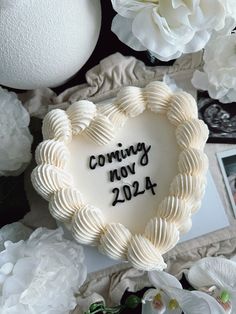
229, 97
198, 42
175, 12
215, 307
43, 264
122, 27
129, 8
190, 303
213, 271
170, 28
199, 80
150, 36
150, 294
167, 58
161, 278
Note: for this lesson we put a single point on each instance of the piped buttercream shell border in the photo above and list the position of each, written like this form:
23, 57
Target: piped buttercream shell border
87, 223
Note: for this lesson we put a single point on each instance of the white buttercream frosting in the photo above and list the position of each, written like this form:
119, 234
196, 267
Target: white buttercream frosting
186, 226
64, 203
48, 179
56, 125
193, 161
130, 100
162, 234
87, 225
192, 134
114, 241
174, 210
114, 113
143, 254
81, 113
182, 107
101, 130
52, 152
157, 95
185, 186
99, 124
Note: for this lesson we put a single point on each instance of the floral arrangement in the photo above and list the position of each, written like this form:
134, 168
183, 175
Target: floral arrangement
168, 28
214, 291
41, 274
219, 71
16, 140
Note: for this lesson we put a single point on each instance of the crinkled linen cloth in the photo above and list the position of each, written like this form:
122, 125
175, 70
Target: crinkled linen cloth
103, 82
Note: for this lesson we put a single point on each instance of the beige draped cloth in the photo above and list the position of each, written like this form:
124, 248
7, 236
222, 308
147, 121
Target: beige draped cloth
103, 82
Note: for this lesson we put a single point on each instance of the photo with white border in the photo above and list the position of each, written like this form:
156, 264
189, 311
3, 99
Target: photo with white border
227, 163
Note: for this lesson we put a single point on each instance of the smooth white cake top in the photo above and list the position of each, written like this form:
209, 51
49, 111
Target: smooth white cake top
159, 163
164, 139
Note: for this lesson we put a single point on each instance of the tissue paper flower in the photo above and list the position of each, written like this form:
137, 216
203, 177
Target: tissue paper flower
41, 275
15, 137
170, 298
219, 70
13, 232
168, 28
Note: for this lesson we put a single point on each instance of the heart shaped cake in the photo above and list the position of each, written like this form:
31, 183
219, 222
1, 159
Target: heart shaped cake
125, 175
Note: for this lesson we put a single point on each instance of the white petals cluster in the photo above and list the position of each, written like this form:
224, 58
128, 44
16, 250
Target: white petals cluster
15, 138
41, 275
169, 28
219, 71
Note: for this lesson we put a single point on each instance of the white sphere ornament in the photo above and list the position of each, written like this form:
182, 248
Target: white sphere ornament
44, 43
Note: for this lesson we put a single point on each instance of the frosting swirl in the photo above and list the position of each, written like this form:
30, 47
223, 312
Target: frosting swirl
100, 131
193, 162
186, 226
64, 203
174, 210
157, 95
114, 114
48, 179
192, 134
52, 152
187, 187
162, 234
143, 255
87, 225
182, 107
57, 126
114, 241
81, 113
130, 101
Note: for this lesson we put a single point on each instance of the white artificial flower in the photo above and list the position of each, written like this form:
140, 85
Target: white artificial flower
217, 276
219, 70
41, 275
13, 232
170, 298
15, 137
168, 28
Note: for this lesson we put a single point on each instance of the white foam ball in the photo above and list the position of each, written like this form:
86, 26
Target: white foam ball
44, 43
